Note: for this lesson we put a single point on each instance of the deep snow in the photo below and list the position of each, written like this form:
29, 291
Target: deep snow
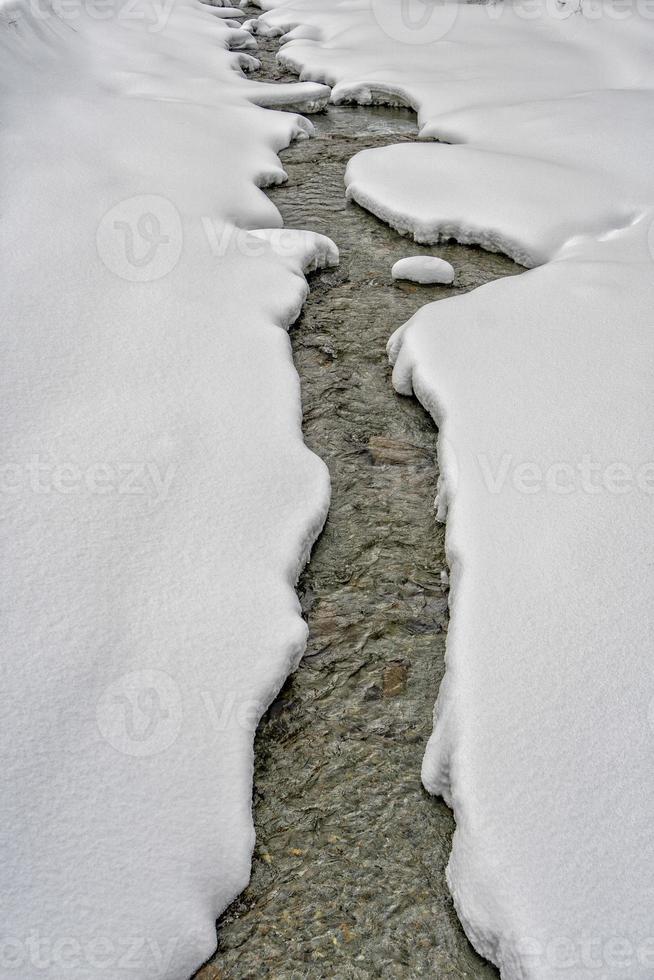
158, 500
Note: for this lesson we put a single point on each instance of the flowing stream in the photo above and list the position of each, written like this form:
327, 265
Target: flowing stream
348, 877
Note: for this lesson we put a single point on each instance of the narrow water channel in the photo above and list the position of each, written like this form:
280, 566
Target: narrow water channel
348, 878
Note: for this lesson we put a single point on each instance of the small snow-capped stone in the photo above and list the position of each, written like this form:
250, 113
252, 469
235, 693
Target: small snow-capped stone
425, 269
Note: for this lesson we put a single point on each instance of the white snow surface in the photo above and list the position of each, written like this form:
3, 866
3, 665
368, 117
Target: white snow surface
425, 269
157, 498
541, 385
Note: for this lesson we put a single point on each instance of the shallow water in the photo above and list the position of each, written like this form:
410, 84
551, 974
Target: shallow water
348, 878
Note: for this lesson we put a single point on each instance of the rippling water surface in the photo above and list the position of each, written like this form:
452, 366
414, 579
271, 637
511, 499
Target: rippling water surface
348, 878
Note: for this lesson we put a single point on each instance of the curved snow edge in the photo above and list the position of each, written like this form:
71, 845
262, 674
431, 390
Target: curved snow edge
476, 917
487, 238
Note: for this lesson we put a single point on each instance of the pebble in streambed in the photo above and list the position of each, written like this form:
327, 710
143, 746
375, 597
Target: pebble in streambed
348, 878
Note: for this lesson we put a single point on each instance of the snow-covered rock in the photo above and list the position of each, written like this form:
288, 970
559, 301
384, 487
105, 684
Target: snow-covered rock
426, 269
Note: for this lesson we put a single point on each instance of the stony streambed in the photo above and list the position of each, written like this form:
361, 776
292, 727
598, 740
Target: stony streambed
348, 878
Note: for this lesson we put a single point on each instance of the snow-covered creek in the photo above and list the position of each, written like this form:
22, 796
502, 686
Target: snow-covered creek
348, 878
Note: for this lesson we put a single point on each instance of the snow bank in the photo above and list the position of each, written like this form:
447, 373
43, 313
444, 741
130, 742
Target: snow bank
541, 385
157, 498
542, 739
426, 269
299, 96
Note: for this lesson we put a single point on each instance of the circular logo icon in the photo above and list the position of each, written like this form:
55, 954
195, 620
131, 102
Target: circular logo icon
141, 239
140, 714
415, 21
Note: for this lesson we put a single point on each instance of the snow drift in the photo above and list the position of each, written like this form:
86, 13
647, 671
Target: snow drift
157, 498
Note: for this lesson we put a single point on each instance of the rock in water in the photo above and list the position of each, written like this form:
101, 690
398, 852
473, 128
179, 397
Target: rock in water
425, 269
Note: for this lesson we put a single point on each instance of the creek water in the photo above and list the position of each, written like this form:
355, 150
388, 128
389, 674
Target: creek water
348, 876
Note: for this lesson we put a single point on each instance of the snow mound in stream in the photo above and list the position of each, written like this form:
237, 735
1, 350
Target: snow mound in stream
157, 498
427, 269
